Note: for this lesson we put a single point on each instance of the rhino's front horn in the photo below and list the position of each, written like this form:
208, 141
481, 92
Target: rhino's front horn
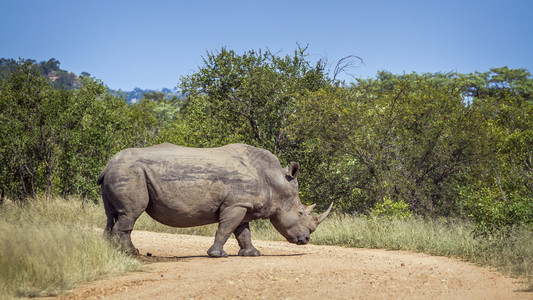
321, 218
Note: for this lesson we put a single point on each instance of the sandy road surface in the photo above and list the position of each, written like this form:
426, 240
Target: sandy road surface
182, 270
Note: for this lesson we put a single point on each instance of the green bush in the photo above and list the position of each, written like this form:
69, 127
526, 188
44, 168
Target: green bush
494, 214
388, 208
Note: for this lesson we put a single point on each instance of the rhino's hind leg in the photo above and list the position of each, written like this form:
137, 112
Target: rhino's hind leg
125, 198
242, 233
119, 227
122, 229
111, 214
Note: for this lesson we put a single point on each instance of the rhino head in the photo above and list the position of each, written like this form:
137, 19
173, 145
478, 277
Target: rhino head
297, 224
293, 219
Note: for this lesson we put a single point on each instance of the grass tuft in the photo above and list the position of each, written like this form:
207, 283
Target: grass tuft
48, 246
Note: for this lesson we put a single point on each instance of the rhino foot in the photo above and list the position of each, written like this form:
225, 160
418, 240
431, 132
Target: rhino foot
249, 252
131, 251
217, 253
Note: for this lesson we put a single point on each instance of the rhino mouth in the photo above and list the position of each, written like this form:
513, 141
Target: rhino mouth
302, 240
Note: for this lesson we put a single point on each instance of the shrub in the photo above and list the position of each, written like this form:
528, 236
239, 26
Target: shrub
391, 209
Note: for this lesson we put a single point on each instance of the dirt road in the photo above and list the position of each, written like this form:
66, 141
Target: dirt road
182, 270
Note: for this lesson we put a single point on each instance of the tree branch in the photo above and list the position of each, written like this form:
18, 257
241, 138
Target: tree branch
346, 63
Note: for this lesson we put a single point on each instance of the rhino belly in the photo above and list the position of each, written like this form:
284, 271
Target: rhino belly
183, 215
185, 204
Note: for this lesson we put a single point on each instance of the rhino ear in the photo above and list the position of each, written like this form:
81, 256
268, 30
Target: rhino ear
293, 169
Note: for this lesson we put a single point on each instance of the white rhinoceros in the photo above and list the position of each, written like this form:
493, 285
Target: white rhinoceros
184, 187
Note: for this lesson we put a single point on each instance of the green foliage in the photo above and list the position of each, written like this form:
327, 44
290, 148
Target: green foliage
391, 209
195, 126
148, 119
497, 80
404, 138
23, 132
50, 69
495, 211
54, 140
456, 145
7, 66
498, 195
251, 96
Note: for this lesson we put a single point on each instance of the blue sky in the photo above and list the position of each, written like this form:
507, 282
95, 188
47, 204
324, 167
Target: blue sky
150, 44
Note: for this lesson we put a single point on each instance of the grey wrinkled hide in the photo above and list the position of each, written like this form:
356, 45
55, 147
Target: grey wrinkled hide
184, 187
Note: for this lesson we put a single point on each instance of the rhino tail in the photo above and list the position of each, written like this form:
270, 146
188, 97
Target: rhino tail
102, 175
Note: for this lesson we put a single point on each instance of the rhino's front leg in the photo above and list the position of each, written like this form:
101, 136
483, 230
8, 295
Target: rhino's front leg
229, 219
242, 233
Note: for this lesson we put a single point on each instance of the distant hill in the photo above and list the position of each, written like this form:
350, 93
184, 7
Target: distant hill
68, 80
50, 69
138, 94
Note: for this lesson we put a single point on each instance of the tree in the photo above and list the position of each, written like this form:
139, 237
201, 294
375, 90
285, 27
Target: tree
498, 80
149, 118
7, 66
251, 95
499, 194
405, 139
92, 130
54, 140
195, 126
47, 67
26, 131
155, 96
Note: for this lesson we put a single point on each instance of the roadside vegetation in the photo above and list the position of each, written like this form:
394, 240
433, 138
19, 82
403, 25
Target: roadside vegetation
510, 254
49, 246
62, 245
439, 163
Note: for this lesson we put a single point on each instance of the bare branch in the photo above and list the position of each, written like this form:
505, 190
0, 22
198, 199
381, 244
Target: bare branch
347, 63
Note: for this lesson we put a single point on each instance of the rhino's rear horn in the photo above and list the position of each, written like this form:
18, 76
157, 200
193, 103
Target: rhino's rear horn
310, 208
321, 218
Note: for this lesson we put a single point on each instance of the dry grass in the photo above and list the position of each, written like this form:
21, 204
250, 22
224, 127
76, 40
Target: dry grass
48, 246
